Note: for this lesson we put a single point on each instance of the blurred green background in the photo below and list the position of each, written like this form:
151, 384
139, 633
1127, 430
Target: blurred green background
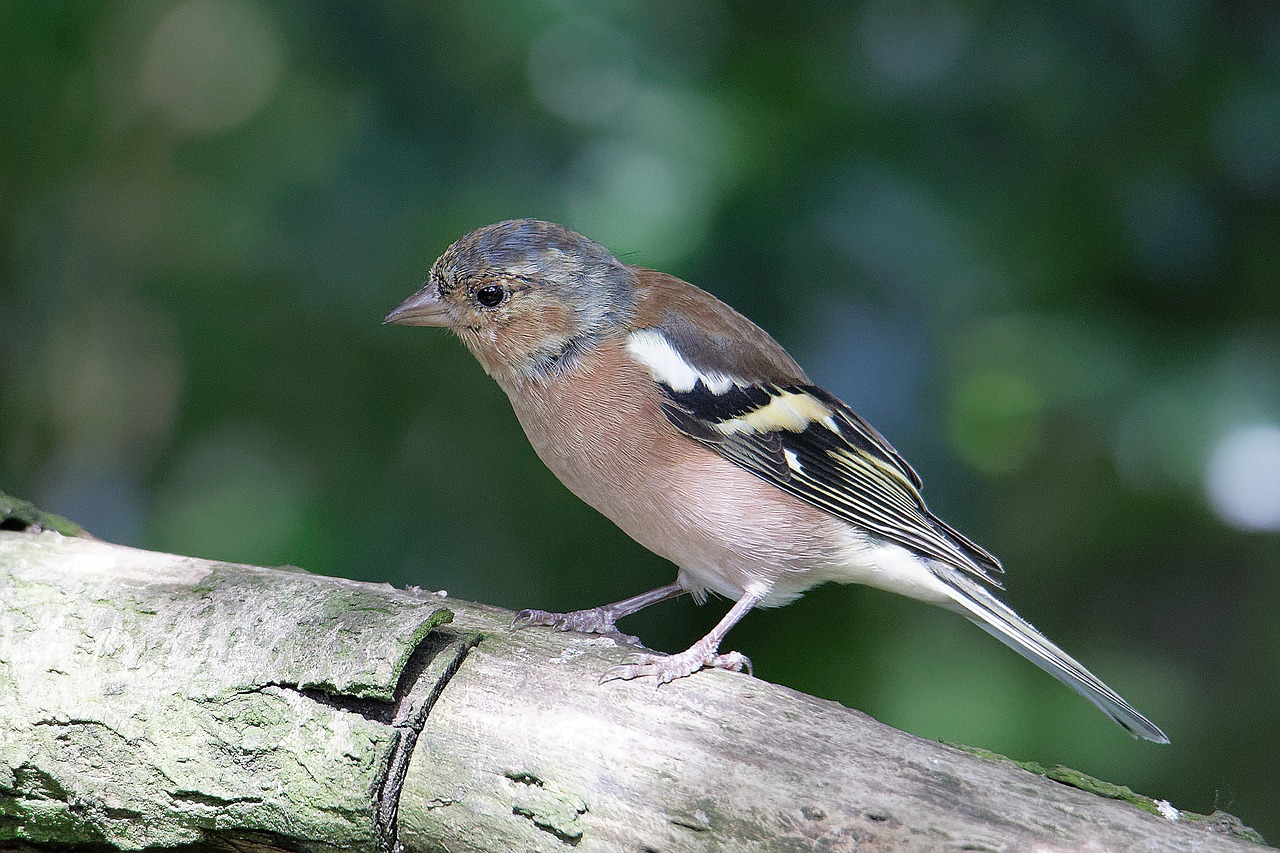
1037, 244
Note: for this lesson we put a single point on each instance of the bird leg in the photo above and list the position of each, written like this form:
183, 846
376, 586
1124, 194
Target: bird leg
704, 653
600, 620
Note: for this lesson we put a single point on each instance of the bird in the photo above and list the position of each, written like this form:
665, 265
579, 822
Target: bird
697, 434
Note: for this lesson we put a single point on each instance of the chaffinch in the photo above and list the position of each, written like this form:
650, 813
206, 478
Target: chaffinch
696, 433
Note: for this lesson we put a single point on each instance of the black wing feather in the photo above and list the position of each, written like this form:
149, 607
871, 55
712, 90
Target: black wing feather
850, 470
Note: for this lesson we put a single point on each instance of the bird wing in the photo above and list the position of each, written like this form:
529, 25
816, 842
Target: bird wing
808, 443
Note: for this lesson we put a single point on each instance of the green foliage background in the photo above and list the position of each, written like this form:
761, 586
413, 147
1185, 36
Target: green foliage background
1037, 244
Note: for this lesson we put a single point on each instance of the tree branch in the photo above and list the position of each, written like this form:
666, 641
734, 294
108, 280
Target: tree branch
151, 700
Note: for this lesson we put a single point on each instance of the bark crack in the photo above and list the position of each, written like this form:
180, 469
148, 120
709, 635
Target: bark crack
432, 664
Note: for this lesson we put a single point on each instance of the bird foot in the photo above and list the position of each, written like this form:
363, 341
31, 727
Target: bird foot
597, 620
667, 668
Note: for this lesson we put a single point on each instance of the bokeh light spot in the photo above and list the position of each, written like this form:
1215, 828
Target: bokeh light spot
582, 70
1247, 138
631, 196
119, 377
996, 420
912, 45
1176, 233
209, 65
1242, 476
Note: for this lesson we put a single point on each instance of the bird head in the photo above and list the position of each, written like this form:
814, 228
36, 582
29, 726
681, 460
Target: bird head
526, 297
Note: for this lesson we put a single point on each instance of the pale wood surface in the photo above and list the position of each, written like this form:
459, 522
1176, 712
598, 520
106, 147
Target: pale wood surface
150, 700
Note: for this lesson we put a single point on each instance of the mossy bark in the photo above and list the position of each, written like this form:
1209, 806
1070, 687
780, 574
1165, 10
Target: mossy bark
150, 700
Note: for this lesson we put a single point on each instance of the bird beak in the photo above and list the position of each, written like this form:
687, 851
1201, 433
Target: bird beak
424, 308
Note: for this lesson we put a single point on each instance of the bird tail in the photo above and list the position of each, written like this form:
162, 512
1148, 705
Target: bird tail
998, 619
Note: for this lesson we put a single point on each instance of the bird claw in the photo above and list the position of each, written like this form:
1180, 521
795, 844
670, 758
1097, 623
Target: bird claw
667, 668
597, 620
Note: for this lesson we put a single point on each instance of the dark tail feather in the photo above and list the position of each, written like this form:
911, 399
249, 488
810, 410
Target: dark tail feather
997, 619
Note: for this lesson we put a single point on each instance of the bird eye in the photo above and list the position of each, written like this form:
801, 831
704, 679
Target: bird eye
491, 295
